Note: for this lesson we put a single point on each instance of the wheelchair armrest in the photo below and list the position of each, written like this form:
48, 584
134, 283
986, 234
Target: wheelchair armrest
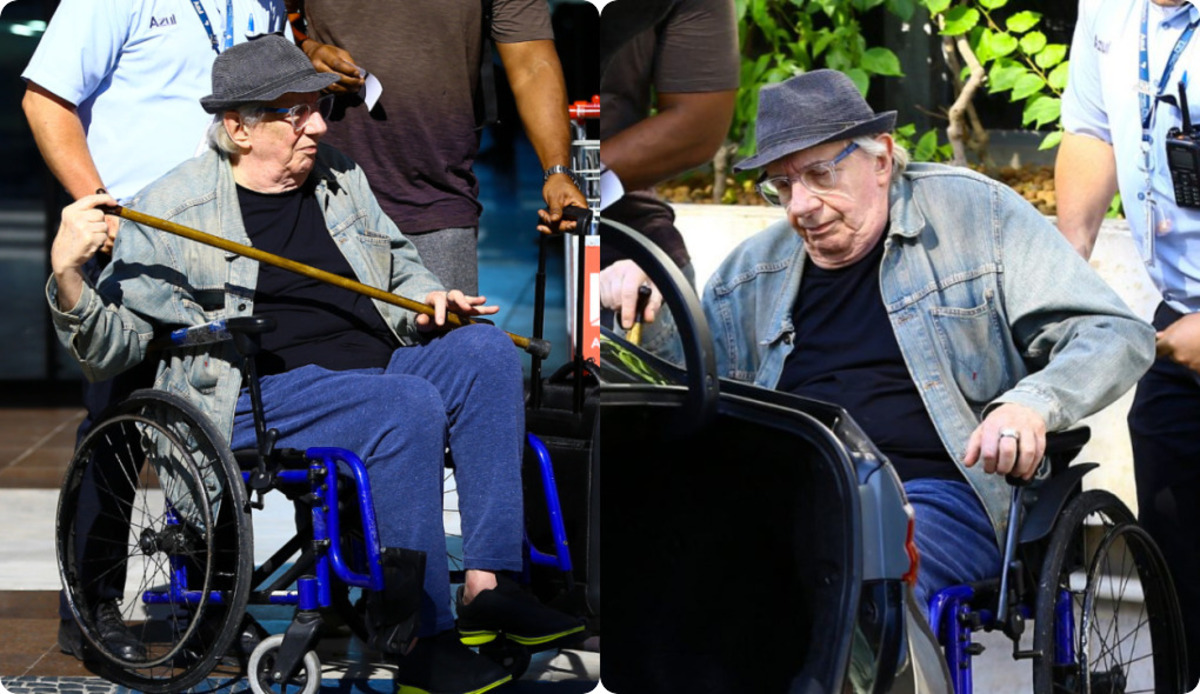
247, 327
1070, 441
246, 331
250, 325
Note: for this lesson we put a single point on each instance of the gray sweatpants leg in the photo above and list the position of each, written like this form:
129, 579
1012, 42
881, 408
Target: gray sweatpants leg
451, 255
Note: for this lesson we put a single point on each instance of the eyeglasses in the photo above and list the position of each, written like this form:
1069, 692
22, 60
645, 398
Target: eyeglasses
299, 114
820, 178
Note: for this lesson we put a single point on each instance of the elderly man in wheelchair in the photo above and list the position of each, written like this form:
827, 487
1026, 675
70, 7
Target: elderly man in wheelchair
338, 369
944, 314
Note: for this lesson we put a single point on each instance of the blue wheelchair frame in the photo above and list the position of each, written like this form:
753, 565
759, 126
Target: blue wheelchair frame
956, 612
332, 557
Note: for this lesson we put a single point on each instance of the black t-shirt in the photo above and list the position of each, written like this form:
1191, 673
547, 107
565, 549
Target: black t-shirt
317, 322
846, 353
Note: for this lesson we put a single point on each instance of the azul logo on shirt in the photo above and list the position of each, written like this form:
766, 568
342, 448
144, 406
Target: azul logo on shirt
165, 21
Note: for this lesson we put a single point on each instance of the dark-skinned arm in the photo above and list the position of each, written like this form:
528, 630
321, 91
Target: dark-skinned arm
324, 57
536, 78
686, 132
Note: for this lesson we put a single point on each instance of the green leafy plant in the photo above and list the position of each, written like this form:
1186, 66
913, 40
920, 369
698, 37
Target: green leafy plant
783, 38
1007, 54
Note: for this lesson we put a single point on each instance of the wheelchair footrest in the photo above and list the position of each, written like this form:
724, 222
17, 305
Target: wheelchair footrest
394, 613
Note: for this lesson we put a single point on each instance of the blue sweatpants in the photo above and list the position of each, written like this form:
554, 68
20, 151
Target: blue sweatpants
953, 534
462, 390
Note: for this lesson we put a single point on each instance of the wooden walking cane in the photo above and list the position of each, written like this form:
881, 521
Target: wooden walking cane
535, 346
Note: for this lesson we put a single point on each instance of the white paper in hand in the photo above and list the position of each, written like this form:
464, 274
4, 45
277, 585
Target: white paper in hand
371, 89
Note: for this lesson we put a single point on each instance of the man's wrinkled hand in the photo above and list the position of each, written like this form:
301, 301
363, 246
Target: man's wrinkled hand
1011, 440
84, 230
619, 284
1180, 342
327, 58
454, 301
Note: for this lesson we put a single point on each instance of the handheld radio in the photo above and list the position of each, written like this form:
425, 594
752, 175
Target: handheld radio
1183, 157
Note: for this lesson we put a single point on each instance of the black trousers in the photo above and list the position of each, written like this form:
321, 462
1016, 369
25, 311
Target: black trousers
1164, 425
105, 496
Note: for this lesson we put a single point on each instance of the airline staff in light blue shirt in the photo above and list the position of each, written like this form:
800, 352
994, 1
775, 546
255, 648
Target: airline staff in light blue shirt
113, 99
1129, 61
114, 87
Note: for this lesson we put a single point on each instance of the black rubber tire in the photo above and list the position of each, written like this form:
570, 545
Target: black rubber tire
1113, 656
1070, 552
509, 655
183, 644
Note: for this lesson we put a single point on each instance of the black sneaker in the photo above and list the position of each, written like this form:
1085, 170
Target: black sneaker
111, 629
509, 610
441, 664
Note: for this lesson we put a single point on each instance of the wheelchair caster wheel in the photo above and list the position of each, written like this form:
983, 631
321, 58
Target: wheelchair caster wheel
513, 657
260, 671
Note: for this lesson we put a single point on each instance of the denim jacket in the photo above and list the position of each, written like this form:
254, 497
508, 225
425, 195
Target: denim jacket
988, 302
157, 281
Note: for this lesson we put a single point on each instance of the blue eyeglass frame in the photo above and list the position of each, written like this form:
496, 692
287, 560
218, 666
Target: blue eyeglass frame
323, 106
846, 151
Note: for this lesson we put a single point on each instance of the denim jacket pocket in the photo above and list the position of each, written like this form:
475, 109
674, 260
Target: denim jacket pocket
205, 370
971, 338
377, 251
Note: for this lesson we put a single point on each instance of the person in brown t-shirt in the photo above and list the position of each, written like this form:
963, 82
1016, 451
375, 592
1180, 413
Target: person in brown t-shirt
681, 58
417, 145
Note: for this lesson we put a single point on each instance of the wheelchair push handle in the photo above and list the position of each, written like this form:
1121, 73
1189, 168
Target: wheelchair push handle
538, 347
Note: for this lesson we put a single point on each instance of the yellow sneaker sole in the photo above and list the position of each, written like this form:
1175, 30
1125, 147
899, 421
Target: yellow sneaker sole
409, 689
478, 638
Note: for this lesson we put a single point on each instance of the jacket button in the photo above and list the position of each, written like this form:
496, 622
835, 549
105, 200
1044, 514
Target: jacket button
241, 307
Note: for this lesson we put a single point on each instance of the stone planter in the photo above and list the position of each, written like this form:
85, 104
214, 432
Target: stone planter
711, 231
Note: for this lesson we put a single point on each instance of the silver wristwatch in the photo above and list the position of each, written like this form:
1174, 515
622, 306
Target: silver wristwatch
560, 169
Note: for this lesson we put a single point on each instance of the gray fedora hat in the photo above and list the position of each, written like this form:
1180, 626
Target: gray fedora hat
261, 70
808, 110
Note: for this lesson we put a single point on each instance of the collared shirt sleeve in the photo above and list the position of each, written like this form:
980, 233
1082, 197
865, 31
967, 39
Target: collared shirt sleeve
80, 47
1083, 111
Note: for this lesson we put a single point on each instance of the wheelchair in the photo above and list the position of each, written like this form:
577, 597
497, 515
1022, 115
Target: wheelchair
184, 576
1105, 615
795, 525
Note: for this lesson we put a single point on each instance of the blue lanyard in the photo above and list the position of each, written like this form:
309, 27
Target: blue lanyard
212, 37
1147, 104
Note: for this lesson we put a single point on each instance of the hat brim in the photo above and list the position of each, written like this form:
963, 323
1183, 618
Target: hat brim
883, 123
312, 82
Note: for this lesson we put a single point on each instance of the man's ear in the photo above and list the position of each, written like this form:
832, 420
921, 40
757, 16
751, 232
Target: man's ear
236, 129
885, 163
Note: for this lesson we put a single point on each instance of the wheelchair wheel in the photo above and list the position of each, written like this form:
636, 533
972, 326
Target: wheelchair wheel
1078, 624
262, 663
1121, 654
170, 545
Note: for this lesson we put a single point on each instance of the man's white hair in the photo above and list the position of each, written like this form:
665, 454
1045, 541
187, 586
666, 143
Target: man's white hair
218, 136
875, 148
